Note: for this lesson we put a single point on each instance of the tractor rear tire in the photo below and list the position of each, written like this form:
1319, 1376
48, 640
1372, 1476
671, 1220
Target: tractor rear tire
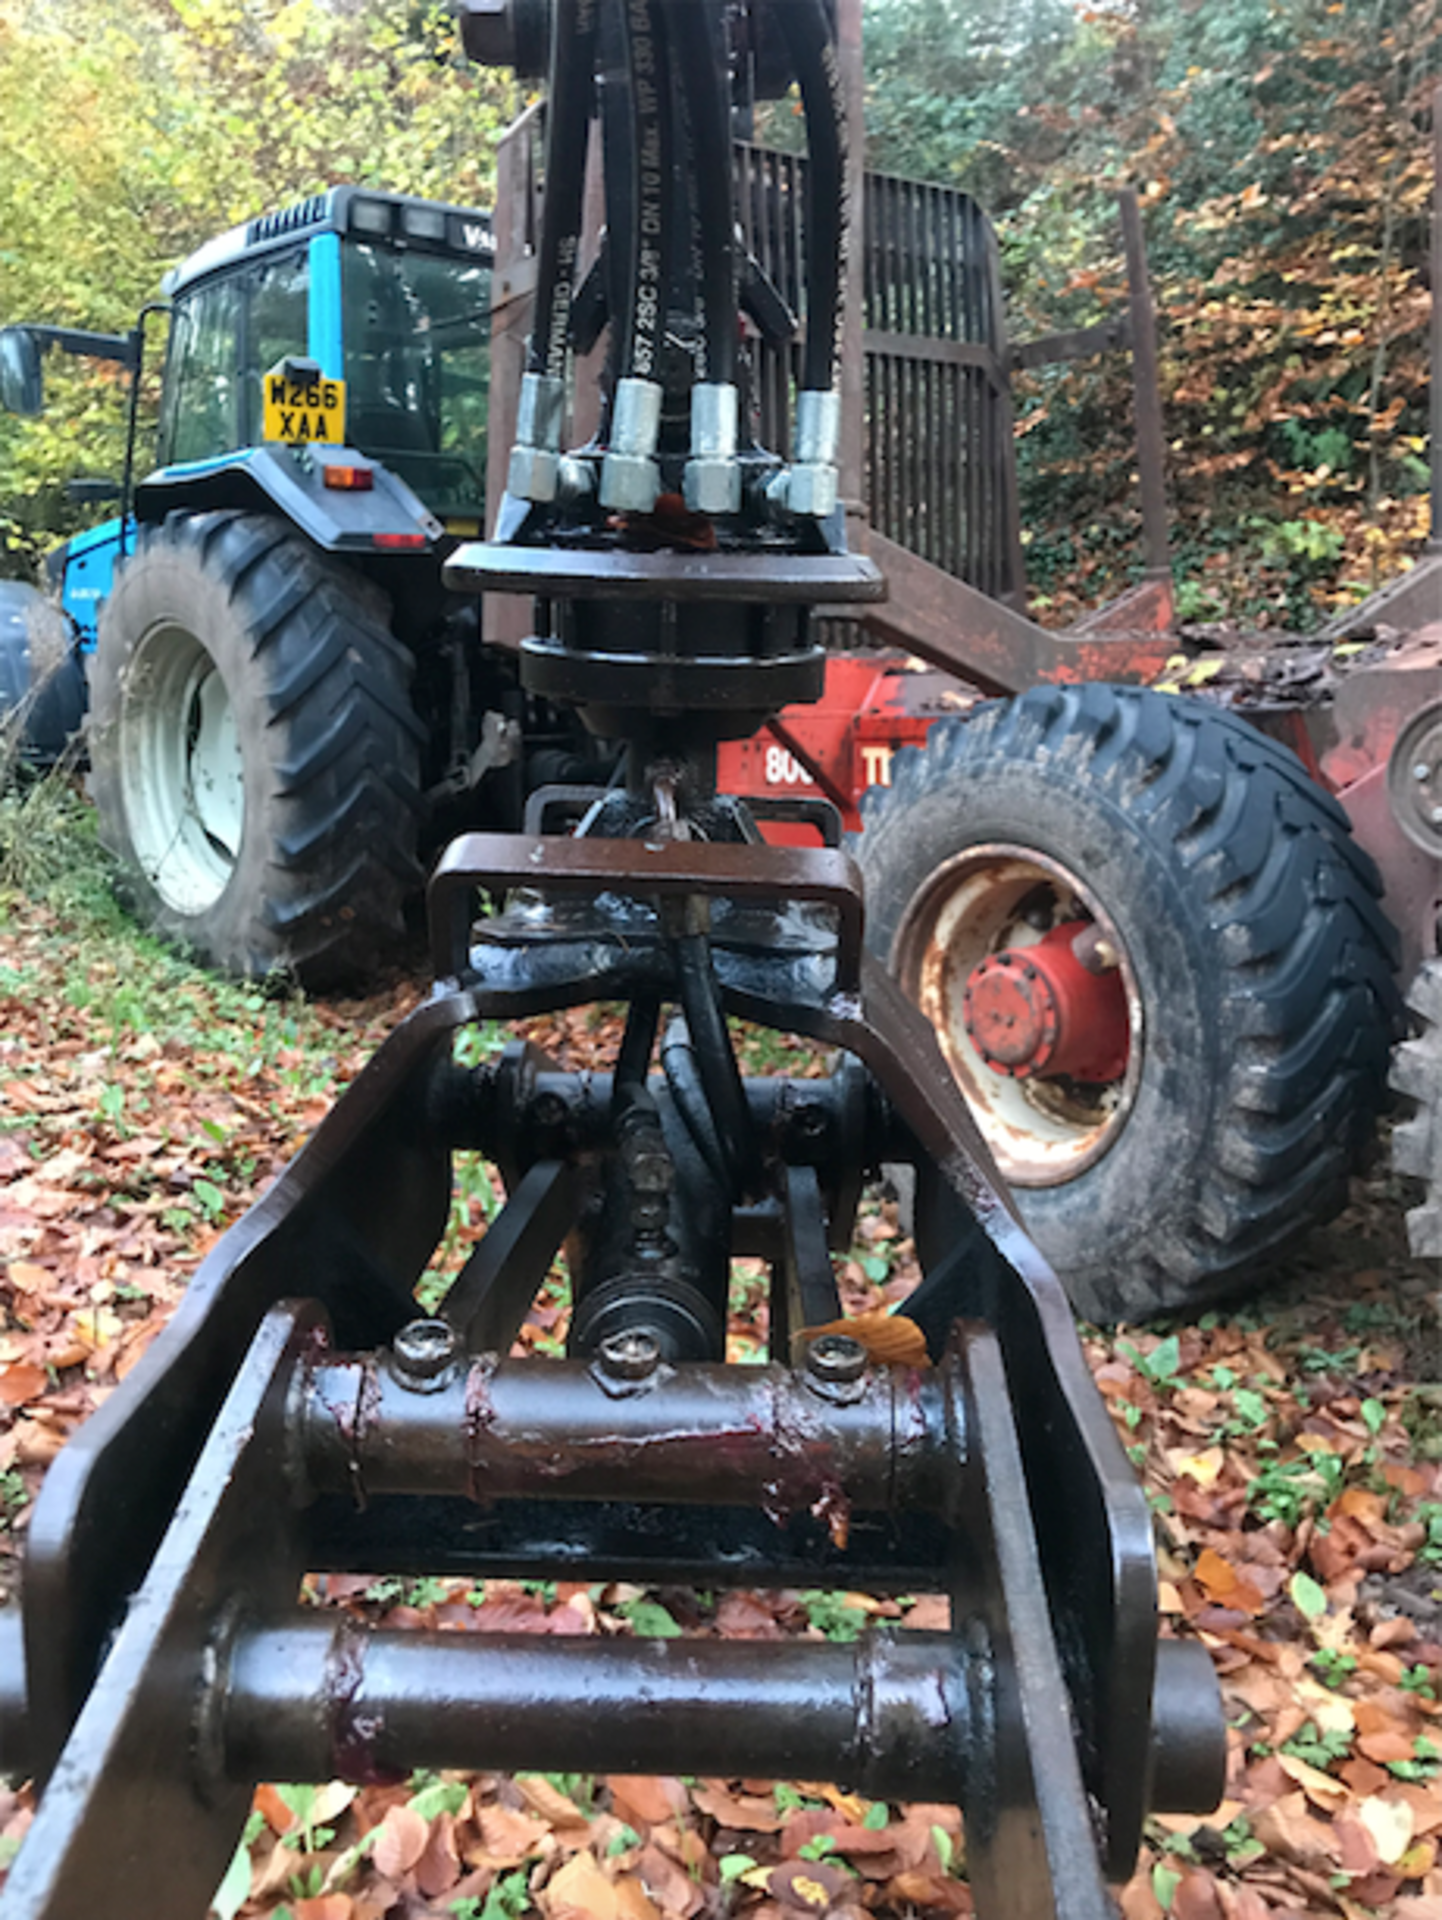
1257, 965
1417, 1140
255, 754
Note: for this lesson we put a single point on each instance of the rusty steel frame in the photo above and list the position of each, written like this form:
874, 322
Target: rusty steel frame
1037, 1527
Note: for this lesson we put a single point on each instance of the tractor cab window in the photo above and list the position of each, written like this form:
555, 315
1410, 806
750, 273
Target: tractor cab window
277, 321
201, 413
417, 363
224, 336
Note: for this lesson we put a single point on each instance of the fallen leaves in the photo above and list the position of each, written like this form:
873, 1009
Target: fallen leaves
1294, 1474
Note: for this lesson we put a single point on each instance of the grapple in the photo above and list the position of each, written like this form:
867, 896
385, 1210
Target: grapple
300, 1414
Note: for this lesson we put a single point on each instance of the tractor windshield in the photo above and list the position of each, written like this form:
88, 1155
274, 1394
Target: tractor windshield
417, 332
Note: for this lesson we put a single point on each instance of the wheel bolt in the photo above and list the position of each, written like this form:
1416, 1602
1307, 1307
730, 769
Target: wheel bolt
633, 1355
1421, 771
836, 1358
425, 1348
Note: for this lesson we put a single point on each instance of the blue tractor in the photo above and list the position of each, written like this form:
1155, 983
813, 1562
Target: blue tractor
285, 705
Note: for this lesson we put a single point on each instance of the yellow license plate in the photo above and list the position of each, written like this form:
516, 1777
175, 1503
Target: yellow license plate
298, 411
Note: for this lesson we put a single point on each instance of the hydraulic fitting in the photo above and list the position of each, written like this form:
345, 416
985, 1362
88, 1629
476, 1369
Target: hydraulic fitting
812, 484
630, 478
712, 480
577, 479
536, 455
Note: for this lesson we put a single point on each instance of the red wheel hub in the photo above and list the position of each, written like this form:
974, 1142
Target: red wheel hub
1038, 1011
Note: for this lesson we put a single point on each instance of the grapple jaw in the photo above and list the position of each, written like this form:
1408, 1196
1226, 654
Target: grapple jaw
168, 1665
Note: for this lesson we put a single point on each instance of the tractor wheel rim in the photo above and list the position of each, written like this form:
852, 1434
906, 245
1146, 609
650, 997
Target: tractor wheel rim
182, 775
1042, 1132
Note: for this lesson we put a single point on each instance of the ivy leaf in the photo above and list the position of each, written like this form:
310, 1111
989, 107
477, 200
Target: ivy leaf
1308, 1597
649, 1620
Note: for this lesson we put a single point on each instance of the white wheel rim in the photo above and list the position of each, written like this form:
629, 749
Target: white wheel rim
181, 773
1042, 1132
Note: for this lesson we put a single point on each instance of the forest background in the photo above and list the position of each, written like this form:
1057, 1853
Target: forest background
1282, 149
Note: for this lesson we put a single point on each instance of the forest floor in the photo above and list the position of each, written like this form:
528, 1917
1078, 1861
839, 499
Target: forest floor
1291, 1449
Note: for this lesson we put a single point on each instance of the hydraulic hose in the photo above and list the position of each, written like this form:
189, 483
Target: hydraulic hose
720, 1075
568, 115
644, 322
683, 1079
633, 1061
812, 49
696, 25
618, 146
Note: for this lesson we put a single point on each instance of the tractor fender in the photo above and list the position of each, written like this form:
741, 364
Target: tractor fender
291, 482
41, 678
81, 572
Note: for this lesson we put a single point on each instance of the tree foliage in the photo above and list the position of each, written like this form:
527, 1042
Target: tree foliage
1281, 148
1282, 151
137, 129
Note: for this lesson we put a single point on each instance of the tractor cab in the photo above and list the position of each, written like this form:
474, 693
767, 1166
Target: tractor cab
387, 294
386, 297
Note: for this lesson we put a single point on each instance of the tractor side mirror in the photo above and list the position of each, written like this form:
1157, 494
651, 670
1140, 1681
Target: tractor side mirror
22, 390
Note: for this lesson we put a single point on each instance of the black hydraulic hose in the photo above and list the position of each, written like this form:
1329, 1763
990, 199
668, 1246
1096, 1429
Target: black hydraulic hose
618, 175
720, 1075
683, 1080
568, 115
633, 1060
812, 49
643, 324
697, 26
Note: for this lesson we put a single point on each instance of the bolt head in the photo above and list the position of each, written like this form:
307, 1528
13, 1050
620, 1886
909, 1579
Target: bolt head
812, 491
632, 1355
630, 482
835, 1358
533, 473
425, 1348
712, 485
1421, 771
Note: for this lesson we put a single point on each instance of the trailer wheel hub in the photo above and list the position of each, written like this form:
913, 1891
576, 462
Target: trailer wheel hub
1040, 1010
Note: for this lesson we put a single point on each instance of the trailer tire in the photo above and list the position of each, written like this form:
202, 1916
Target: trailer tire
1417, 1140
255, 754
1257, 965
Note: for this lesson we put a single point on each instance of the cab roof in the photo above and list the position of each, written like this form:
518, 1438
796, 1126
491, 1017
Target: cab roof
388, 219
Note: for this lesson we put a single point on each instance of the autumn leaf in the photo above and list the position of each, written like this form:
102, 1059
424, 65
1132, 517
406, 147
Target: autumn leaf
580, 1891
400, 1842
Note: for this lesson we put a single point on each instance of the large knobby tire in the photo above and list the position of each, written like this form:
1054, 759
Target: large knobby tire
255, 754
1258, 1007
1417, 1138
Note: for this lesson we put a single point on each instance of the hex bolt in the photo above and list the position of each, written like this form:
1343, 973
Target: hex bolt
1421, 771
836, 1358
1437, 816
423, 1349
632, 1355
547, 1110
